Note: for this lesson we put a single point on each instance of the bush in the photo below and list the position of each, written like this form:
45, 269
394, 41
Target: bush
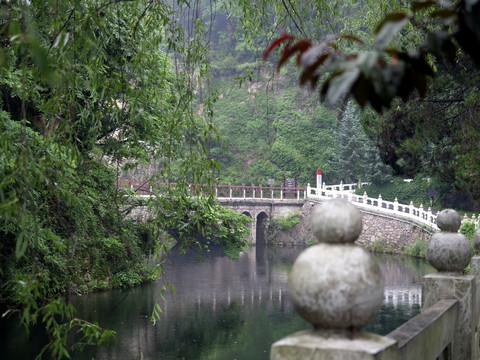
416, 191
468, 229
417, 249
287, 222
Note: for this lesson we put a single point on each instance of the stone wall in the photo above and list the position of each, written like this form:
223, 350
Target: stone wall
391, 234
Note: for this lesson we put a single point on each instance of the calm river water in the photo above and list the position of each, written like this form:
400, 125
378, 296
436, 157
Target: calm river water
222, 309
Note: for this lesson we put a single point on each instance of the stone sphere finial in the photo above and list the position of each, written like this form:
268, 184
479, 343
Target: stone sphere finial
336, 284
476, 241
448, 250
341, 223
449, 220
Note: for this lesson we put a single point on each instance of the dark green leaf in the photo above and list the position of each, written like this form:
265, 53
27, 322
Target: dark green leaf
443, 13
308, 73
21, 245
420, 5
389, 27
341, 84
360, 90
440, 44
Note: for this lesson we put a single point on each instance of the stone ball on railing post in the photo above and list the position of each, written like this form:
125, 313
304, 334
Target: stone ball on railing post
448, 250
336, 284
476, 241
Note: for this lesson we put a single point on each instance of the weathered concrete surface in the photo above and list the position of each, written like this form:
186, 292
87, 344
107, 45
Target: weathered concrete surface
440, 286
336, 286
476, 241
336, 221
448, 250
331, 345
475, 271
427, 335
449, 220
271, 208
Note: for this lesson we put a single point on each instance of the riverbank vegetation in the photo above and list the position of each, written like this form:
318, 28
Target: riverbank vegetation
90, 91
94, 91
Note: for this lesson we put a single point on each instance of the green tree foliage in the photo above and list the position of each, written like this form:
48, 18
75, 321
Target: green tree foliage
356, 157
91, 89
416, 191
431, 134
271, 134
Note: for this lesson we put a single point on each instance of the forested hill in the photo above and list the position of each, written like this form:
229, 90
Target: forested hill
272, 127
275, 128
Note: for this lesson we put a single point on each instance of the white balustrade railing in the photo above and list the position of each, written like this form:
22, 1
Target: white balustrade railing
409, 212
344, 187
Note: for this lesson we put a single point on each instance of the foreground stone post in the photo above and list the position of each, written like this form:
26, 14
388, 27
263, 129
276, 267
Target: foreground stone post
475, 271
337, 287
450, 253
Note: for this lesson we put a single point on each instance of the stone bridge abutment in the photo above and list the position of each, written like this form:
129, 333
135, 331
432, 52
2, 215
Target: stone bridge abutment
261, 211
380, 232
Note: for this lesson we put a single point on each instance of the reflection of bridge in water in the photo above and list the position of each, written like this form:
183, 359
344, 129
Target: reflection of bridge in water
277, 293
256, 279
397, 295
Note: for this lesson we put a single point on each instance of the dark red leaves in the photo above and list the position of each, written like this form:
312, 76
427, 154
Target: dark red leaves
300, 46
277, 42
308, 73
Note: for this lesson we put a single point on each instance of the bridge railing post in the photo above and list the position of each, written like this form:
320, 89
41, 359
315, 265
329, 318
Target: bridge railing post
253, 191
230, 190
243, 188
450, 283
261, 191
313, 283
281, 192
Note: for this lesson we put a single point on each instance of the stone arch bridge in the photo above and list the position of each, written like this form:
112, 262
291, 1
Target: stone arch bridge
261, 211
391, 223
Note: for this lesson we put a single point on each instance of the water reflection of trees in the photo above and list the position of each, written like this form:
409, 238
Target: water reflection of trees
403, 270
226, 309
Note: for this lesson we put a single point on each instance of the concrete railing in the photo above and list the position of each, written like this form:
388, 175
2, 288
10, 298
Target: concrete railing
337, 287
229, 191
344, 187
438, 322
418, 215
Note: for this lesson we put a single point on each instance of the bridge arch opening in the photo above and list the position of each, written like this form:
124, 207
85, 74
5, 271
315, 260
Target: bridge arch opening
261, 228
250, 225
